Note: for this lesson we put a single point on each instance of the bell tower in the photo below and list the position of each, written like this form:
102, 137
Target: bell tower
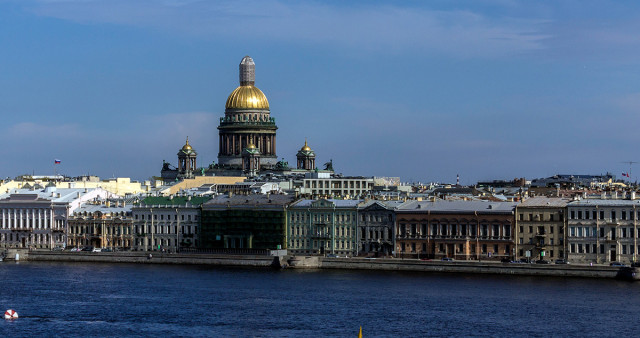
186, 160
306, 157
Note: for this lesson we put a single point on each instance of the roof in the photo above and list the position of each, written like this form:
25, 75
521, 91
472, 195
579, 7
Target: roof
338, 203
458, 207
177, 200
386, 204
51, 194
249, 200
91, 208
542, 201
600, 202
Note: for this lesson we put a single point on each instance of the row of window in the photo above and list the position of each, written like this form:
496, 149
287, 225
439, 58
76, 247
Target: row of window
611, 232
304, 231
541, 229
413, 230
600, 214
162, 217
539, 217
457, 248
301, 244
549, 254
166, 229
11, 237
321, 217
593, 248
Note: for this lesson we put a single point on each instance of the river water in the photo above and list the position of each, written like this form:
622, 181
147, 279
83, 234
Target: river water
114, 300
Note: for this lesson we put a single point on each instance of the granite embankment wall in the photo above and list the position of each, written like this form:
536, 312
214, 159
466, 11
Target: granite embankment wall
314, 262
157, 258
464, 267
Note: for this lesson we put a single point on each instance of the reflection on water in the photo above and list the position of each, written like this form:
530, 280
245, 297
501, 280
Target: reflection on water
78, 299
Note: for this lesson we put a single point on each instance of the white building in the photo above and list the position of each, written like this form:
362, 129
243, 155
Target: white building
37, 218
603, 230
324, 184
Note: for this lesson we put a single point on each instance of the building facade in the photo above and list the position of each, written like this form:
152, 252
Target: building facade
321, 227
101, 224
603, 230
376, 227
37, 218
540, 229
245, 222
463, 230
167, 223
326, 184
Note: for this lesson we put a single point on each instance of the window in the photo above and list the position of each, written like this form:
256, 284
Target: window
579, 214
624, 215
601, 214
613, 214
572, 248
522, 217
573, 214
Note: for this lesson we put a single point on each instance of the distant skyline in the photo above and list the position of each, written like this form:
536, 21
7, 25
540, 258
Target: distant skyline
420, 90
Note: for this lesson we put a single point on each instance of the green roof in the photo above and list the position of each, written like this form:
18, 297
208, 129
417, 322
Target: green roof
178, 200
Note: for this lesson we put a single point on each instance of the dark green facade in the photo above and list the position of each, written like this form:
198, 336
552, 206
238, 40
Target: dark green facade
245, 222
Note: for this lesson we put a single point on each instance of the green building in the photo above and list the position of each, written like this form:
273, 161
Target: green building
245, 222
319, 227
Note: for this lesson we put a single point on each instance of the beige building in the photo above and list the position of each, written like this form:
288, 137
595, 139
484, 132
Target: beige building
101, 224
120, 186
540, 229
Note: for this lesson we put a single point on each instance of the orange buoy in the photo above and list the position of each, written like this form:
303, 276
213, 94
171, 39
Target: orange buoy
10, 314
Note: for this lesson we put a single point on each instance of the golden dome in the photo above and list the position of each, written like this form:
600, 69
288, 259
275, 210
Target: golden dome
251, 146
306, 147
187, 146
247, 97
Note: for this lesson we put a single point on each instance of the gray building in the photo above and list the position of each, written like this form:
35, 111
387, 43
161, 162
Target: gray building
603, 230
167, 223
375, 227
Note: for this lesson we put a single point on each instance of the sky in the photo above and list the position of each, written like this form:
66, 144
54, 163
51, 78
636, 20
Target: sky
421, 90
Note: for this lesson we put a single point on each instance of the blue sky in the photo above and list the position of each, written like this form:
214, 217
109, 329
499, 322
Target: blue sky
423, 90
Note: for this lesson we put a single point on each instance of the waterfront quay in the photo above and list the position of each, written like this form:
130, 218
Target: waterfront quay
273, 260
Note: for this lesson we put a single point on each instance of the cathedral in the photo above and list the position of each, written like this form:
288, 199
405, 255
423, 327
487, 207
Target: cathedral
247, 138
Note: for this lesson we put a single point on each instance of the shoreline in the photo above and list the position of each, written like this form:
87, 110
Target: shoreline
316, 262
